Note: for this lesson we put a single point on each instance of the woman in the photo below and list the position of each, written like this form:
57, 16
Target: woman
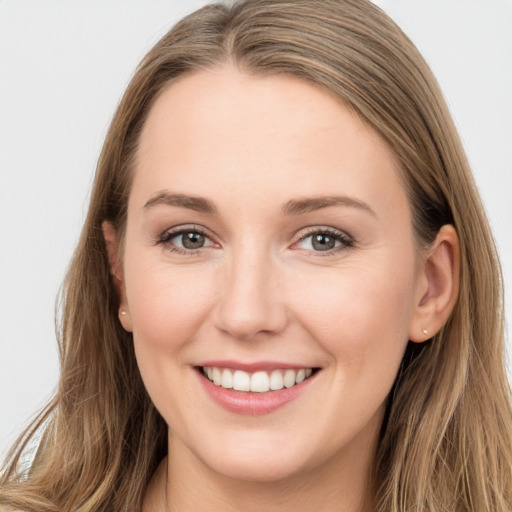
286, 294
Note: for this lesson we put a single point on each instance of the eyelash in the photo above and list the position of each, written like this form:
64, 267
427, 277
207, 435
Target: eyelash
165, 238
346, 242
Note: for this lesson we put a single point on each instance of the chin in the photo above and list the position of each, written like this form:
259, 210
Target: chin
257, 460
264, 471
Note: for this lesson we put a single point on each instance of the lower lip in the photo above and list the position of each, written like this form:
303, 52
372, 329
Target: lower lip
255, 404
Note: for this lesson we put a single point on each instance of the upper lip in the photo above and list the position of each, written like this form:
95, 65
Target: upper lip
254, 366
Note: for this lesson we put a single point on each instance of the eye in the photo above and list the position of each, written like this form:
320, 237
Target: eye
189, 240
324, 240
185, 240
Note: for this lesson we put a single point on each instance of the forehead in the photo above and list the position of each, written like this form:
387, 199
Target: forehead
238, 136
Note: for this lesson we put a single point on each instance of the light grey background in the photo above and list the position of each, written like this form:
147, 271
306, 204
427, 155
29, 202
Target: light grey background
63, 67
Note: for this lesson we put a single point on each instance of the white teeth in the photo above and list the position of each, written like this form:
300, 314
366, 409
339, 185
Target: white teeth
276, 380
217, 377
260, 383
241, 381
289, 378
257, 382
227, 379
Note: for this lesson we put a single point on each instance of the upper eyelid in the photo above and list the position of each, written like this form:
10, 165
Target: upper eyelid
324, 229
177, 230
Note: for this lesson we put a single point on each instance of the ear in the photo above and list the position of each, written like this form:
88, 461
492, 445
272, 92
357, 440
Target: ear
116, 270
438, 286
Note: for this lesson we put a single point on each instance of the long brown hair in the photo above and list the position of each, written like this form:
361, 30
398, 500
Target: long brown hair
446, 442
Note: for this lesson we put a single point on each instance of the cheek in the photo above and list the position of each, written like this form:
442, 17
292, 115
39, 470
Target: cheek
360, 316
360, 319
166, 304
167, 307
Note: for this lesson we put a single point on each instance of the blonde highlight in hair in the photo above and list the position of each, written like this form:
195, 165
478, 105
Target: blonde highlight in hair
446, 441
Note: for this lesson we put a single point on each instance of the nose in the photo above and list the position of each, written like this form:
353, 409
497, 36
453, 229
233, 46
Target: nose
251, 301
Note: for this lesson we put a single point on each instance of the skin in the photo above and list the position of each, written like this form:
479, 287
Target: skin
259, 290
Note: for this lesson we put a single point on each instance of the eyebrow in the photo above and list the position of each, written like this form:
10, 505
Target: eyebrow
310, 204
198, 204
292, 207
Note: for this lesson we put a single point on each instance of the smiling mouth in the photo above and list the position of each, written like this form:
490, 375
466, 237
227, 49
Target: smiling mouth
256, 382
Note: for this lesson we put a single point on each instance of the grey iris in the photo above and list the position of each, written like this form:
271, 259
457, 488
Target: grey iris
323, 242
193, 240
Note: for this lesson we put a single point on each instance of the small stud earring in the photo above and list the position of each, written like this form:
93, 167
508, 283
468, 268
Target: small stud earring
123, 312
425, 331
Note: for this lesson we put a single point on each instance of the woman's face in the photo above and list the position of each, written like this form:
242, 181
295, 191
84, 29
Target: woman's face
268, 238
